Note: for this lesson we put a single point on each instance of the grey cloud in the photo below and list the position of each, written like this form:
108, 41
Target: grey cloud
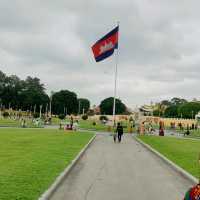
158, 55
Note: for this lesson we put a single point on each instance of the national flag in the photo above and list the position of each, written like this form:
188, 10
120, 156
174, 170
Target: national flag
105, 47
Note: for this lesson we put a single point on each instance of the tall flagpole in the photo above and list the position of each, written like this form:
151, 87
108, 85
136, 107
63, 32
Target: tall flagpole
115, 84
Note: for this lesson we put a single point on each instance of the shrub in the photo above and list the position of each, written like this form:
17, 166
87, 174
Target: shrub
84, 117
61, 116
36, 115
5, 114
94, 123
131, 119
103, 117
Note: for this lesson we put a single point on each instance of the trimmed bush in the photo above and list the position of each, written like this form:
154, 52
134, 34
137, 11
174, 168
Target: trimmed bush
36, 115
103, 117
61, 116
94, 123
5, 114
84, 117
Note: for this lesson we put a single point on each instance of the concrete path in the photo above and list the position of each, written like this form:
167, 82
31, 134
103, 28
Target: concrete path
123, 171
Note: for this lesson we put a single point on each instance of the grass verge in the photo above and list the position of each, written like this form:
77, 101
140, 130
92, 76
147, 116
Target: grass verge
183, 152
31, 159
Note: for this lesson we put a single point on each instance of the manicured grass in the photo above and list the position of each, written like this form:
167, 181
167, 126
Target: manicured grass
195, 133
55, 121
31, 159
88, 124
9, 122
183, 152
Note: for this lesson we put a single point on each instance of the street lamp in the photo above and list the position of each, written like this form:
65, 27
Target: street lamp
79, 107
50, 102
40, 111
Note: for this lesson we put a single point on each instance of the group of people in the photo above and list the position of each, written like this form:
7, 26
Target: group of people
71, 125
145, 127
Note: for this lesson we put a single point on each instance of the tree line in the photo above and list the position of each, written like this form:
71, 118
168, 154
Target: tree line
177, 108
30, 95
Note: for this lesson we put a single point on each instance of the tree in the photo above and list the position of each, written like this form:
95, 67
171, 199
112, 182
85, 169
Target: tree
171, 111
178, 101
83, 104
64, 102
33, 93
61, 116
85, 117
189, 110
156, 113
159, 109
106, 106
165, 103
17, 93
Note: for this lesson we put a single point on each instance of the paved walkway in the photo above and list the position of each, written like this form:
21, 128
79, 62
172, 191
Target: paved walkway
123, 171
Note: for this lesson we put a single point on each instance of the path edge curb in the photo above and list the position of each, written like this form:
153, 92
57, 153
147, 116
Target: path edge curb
50, 191
171, 164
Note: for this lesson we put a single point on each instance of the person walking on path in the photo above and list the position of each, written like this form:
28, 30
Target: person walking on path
119, 131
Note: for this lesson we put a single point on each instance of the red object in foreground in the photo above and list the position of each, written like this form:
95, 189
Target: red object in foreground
161, 132
193, 193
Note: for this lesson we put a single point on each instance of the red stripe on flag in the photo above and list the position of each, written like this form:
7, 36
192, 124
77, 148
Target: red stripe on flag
98, 47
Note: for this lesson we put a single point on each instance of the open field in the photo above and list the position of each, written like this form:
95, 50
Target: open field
31, 159
7, 122
183, 152
195, 133
88, 124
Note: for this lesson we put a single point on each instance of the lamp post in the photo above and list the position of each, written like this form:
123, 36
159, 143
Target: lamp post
47, 110
0, 108
50, 102
79, 107
34, 109
40, 111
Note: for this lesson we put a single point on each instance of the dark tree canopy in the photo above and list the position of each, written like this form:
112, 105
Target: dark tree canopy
169, 108
171, 111
189, 110
83, 104
33, 93
165, 102
106, 106
20, 94
64, 102
178, 101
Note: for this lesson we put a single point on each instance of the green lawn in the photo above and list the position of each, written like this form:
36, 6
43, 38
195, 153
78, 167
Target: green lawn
195, 133
88, 124
55, 121
183, 152
31, 159
9, 122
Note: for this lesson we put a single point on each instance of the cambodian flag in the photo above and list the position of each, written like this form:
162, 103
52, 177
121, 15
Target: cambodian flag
105, 47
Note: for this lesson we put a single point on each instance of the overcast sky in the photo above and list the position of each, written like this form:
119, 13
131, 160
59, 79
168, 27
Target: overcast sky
159, 55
